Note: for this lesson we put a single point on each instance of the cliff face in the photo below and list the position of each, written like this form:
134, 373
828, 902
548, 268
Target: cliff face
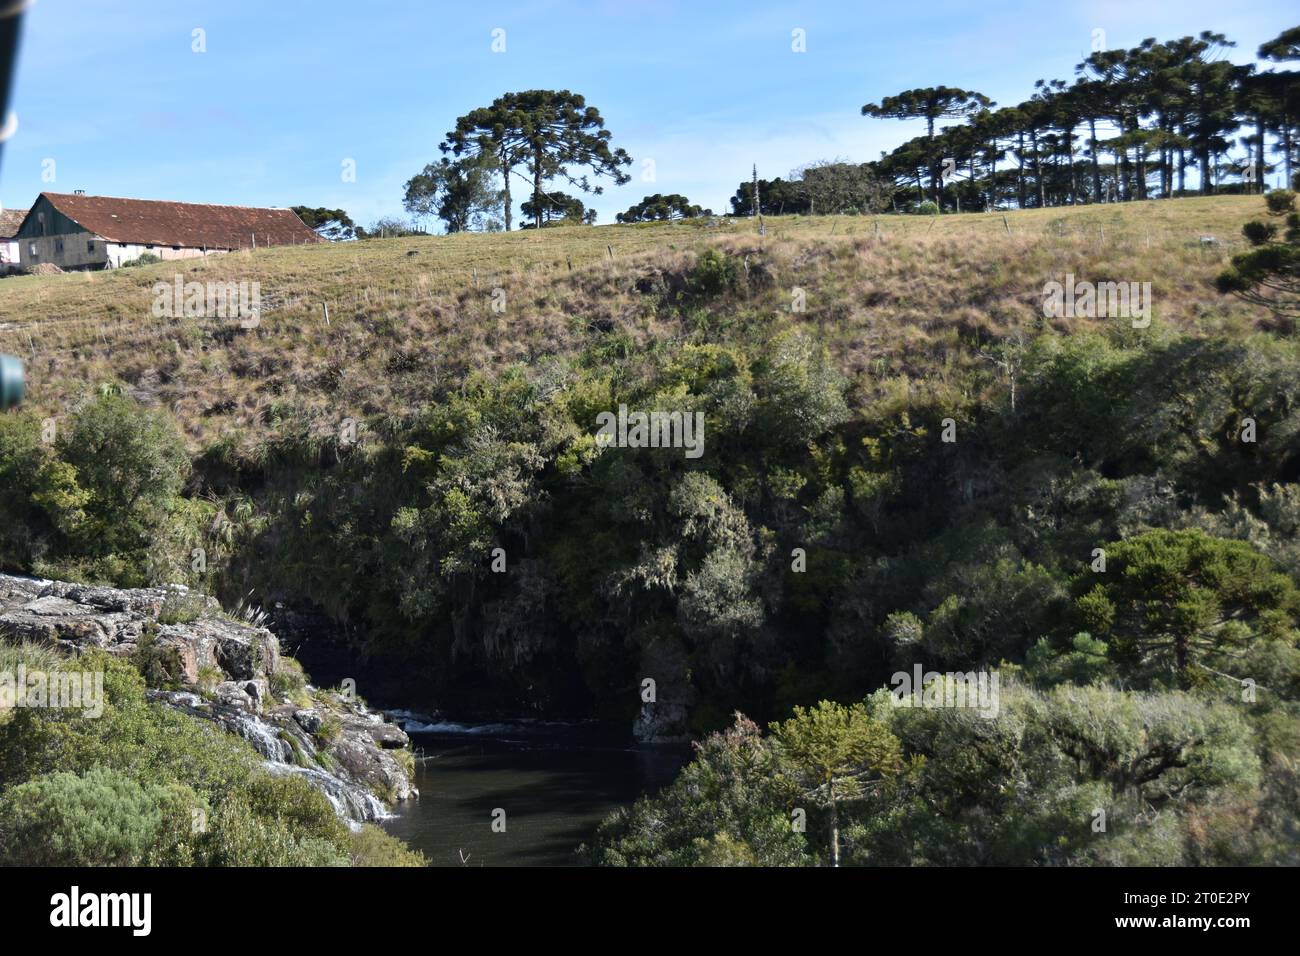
229, 672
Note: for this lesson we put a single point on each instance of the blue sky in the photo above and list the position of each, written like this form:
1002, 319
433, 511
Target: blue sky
113, 94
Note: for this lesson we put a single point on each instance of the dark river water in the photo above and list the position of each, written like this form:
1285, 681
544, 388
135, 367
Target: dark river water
554, 782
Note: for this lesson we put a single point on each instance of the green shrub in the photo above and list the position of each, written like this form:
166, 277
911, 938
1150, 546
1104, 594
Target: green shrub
371, 846
1257, 233
34, 657
41, 503
405, 759
131, 462
158, 664
290, 681
295, 805
101, 818
240, 837
726, 806
182, 607
329, 730
1280, 201
144, 259
715, 272
208, 679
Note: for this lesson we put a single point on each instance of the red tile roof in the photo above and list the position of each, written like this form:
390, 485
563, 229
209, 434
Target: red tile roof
10, 220
193, 225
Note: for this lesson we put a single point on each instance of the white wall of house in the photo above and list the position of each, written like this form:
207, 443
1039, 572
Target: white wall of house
120, 253
9, 254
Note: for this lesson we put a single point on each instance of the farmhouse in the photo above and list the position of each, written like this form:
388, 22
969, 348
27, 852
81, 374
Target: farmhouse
75, 231
10, 220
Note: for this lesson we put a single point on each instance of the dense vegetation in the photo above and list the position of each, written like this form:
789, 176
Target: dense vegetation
145, 785
1064, 775
1149, 713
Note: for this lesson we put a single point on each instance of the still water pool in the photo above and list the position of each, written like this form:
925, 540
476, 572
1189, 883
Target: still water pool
555, 782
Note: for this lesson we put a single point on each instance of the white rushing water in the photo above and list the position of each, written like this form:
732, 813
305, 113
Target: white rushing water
351, 803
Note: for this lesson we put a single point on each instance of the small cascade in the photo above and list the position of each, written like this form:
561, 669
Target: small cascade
353, 804
265, 739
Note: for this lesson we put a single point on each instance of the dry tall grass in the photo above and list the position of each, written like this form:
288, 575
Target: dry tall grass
893, 296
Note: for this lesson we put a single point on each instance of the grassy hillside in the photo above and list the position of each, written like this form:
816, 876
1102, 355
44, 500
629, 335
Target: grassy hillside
410, 318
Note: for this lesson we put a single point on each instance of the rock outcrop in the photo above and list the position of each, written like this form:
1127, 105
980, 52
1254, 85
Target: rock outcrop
227, 671
661, 723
